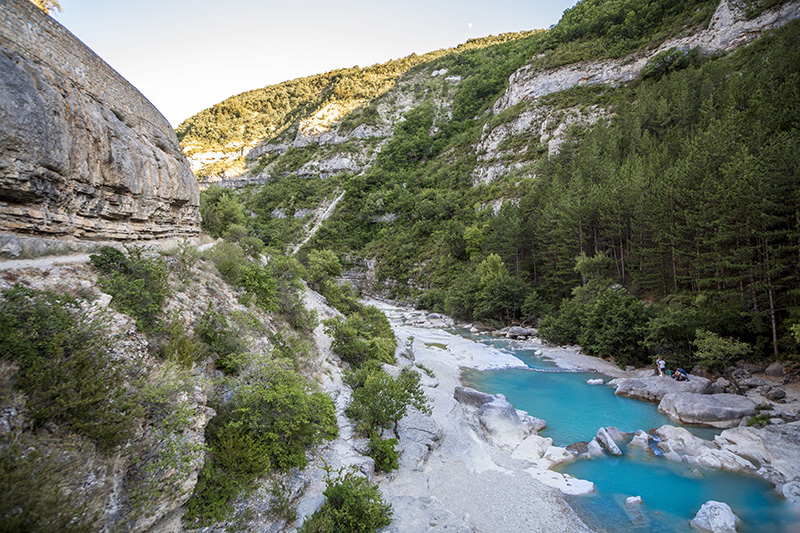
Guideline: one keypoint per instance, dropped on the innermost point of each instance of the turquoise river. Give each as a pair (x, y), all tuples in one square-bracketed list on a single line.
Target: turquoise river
[(671, 492)]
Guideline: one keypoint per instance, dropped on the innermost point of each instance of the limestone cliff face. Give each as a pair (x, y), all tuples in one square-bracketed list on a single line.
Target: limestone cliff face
[(82, 153), (729, 29)]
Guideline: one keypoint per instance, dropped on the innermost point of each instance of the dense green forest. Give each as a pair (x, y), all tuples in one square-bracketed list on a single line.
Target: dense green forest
[(674, 217)]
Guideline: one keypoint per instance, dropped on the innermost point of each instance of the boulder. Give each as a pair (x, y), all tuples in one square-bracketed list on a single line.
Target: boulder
[(716, 517), (678, 444), (654, 388), (713, 410), (775, 394), (518, 331), (640, 440), (418, 434), (775, 370), (607, 442), (790, 491), (752, 382), (501, 423), (774, 448), (471, 397), (594, 447), (633, 500)]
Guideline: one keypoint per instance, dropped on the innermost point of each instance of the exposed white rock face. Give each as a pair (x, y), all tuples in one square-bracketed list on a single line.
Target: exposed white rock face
[(728, 29), (715, 410), (716, 517), (775, 449)]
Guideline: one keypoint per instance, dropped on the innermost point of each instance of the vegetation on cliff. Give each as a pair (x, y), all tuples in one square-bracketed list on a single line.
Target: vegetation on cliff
[(685, 196)]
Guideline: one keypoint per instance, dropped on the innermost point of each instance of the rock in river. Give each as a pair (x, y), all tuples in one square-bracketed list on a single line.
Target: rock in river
[(714, 410), (716, 517), (652, 389)]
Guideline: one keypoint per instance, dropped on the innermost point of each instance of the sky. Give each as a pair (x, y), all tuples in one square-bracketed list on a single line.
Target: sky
[(187, 55)]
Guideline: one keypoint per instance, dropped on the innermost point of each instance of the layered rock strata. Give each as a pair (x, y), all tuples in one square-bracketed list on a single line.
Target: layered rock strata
[(83, 154)]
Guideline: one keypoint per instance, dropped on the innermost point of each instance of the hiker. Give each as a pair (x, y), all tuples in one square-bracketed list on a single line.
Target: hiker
[(662, 365), (681, 375)]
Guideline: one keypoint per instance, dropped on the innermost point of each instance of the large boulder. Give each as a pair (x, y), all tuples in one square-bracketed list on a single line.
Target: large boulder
[(607, 442), (678, 444), (774, 448), (716, 517), (713, 410), (471, 397), (653, 389), (501, 423), (418, 434)]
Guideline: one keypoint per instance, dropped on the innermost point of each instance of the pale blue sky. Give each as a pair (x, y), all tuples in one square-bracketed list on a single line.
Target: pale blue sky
[(187, 55)]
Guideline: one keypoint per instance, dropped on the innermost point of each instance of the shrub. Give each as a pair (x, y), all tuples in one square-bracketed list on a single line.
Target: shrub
[(234, 265), (379, 400), (223, 342), (138, 284), (364, 335), (64, 365), (352, 504), (383, 453), (35, 493), (180, 348), (322, 265), (266, 426)]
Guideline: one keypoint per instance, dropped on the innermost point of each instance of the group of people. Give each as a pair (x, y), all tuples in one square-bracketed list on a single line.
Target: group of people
[(680, 374)]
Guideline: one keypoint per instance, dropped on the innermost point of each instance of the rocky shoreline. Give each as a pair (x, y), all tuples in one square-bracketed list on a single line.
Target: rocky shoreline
[(482, 439)]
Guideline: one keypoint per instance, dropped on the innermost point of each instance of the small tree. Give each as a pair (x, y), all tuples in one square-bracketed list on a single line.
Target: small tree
[(380, 401), (716, 352)]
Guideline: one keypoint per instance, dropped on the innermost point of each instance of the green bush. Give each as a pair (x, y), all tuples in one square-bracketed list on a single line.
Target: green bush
[(322, 266), (36, 495), (179, 347), (383, 453), (352, 504), (219, 210), (234, 265), (379, 400), (267, 425), (223, 342), (137, 283), (65, 368), (364, 335)]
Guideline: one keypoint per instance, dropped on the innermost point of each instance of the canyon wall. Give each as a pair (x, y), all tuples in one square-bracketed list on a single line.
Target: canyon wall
[(83, 154)]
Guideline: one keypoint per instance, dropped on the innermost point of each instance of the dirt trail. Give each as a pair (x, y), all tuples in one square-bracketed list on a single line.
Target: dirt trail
[(43, 262)]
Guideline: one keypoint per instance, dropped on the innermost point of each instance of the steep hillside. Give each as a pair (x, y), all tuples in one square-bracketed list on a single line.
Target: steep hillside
[(621, 137)]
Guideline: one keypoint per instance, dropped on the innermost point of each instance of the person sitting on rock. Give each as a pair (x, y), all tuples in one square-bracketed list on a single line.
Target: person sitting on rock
[(681, 375)]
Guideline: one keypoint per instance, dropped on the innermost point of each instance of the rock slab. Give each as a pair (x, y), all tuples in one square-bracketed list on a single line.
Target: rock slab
[(713, 410), (653, 389)]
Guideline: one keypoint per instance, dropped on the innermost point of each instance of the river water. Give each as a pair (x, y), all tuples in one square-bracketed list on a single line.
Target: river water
[(671, 492)]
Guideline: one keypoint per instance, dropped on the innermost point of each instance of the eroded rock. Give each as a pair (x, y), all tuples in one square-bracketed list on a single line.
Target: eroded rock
[(653, 389), (714, 410), (716, 517)]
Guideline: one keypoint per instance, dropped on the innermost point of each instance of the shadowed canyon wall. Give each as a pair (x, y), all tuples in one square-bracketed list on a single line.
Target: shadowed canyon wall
[(83, 155)]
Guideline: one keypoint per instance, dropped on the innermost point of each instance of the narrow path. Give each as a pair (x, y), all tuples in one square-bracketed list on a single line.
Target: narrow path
[(318, 222), (43, 262)]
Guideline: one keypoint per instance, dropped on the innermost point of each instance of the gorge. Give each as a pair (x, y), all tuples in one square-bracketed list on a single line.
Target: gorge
[(621, 186)]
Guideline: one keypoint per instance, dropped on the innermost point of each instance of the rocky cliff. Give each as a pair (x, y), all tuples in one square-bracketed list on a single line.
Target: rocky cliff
[(83, 155)]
